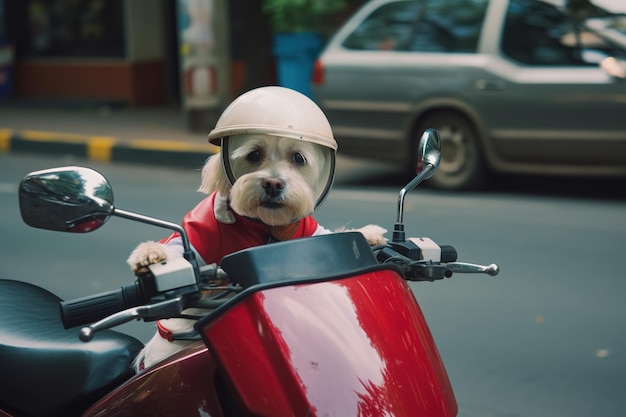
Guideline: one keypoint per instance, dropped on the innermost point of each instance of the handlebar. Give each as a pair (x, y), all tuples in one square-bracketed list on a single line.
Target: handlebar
[(92, 308), (156, 295), (144, 299)]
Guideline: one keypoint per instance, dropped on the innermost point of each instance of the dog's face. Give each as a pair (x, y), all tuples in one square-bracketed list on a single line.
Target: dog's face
[(276, 180)]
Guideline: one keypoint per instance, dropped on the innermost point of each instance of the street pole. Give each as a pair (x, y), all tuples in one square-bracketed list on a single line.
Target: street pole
[(204, 51)]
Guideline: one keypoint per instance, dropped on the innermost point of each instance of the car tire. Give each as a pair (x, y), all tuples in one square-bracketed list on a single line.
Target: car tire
[(461, 166)]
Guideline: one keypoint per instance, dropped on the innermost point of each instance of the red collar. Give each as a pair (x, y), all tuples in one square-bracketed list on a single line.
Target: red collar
[(170, 336), (165, 332)]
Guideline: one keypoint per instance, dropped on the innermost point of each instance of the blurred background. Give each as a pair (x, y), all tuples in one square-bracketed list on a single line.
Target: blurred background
[(140, 52), (545, 338)]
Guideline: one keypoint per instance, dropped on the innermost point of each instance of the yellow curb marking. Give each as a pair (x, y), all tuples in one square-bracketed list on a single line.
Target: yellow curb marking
[(5, 139), (173, 146), (52, 136), (100, 148)]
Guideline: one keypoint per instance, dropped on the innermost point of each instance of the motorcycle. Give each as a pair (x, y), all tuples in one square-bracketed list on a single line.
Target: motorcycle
[(320, 326)]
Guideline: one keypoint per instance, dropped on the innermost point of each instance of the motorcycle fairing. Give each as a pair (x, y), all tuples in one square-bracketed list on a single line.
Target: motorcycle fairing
[(356, 346)]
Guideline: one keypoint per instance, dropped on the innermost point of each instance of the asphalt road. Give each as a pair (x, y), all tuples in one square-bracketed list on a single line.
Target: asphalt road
[(547, 337)]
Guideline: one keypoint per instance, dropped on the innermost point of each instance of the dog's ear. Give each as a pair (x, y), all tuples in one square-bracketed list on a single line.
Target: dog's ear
[(213, 177)]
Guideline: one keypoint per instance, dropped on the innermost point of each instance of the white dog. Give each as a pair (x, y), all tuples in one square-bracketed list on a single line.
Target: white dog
[(263, 190)]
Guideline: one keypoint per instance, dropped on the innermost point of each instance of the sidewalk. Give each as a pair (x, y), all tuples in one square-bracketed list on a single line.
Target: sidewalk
[(157, 136), (103, 133)]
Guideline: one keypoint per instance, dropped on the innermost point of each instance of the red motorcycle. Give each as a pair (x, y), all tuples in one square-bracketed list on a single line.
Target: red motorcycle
[(322, 326)]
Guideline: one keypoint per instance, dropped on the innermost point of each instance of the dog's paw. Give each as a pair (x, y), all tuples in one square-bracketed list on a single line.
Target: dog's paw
[(147, 253), (374, 234)]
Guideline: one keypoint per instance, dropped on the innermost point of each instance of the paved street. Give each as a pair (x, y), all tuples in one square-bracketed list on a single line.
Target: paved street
[(544, 338)]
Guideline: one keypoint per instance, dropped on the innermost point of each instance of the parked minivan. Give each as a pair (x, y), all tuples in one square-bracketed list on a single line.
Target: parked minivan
[(516, 86)]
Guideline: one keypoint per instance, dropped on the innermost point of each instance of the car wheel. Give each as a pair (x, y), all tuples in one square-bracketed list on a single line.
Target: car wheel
[(461, 166)]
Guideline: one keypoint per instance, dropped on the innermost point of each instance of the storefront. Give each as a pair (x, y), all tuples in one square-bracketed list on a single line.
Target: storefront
[(130, 51), (89, 49)]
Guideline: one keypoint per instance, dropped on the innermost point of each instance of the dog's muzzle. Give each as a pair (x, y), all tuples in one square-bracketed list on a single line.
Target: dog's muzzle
[(273, 186), (273, 198)]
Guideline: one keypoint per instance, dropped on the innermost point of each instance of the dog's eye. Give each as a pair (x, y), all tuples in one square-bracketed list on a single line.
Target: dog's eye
[(254, 156), (299, 159)]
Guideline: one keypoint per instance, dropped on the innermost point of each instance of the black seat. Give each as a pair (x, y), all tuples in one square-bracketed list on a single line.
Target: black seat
[(46, 369)]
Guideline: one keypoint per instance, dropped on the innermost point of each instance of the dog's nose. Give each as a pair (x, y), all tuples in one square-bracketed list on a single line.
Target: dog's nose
[(273, 186)]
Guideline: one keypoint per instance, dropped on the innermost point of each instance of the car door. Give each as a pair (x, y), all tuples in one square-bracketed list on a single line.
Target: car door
[(545, 99)]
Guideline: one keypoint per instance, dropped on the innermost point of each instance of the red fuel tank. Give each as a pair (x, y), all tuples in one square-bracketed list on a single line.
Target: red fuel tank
[(357, 346)]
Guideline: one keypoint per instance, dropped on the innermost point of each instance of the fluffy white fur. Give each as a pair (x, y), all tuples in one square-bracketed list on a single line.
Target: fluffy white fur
[(278, 181)]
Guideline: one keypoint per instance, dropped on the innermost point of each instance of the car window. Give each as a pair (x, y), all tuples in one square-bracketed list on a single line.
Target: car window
[(542, 34), (424, 26)]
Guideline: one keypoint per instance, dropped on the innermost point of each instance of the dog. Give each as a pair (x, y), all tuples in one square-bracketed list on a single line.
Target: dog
[(266, 191)]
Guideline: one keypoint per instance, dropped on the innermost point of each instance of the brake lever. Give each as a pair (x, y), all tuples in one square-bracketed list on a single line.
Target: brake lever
[(467, 268), (164, 309), (430, 271)]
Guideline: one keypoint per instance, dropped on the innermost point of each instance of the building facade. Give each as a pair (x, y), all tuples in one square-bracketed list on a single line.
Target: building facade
[(127, 51)]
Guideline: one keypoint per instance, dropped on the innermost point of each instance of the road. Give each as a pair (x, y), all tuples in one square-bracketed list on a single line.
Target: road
[(547, 337)]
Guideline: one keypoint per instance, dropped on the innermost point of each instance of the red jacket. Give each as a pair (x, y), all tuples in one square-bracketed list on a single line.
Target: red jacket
[(213, 239)]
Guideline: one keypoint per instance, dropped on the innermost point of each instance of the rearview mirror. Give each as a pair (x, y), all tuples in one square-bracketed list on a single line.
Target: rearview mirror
[(66, 199), (428, 153)]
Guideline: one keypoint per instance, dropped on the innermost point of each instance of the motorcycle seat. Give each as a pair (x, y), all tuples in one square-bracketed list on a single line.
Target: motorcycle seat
[(45, 368)]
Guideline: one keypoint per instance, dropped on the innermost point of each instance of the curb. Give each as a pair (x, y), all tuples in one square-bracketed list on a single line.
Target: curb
[(106, 149)]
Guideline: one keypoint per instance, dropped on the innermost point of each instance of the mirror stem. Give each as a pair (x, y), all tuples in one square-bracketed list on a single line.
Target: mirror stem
[(155, 222), (414, 183), (398, 229)]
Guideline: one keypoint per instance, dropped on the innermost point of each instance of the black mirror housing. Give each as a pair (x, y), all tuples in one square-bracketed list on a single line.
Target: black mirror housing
[(66, 199)]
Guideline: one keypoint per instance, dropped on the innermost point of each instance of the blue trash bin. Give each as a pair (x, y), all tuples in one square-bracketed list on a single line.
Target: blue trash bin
[(295, 57)]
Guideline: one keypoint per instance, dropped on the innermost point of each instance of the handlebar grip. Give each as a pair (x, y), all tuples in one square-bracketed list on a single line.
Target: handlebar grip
[(448, 253), (92, 308)]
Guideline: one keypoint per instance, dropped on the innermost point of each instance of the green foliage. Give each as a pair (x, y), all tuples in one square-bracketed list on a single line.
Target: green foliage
[(301, 15)]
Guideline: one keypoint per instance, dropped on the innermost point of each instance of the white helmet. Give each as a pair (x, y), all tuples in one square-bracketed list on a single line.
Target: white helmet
[(276, 111)]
